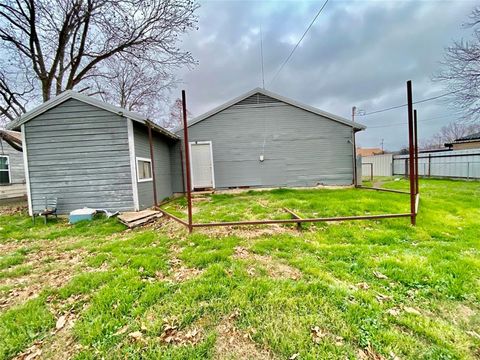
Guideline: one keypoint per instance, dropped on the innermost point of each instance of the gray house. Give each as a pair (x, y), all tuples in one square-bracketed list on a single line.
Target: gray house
[(12, 174), (85, 152), (262, 139)]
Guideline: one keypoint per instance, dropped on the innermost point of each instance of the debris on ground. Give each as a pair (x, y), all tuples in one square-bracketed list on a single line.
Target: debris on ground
[(379, 275), (139, 218), (274, 268), (233, 343), (317, 334), (172, 335)]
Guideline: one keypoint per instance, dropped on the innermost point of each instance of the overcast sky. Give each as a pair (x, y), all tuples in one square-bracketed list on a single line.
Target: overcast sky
[(357, 53)]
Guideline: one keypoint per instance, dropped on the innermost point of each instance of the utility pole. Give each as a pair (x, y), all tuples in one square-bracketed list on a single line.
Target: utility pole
[(382, 145)]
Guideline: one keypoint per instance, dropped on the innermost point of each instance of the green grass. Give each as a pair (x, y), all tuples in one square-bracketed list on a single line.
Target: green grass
[(426, 308)]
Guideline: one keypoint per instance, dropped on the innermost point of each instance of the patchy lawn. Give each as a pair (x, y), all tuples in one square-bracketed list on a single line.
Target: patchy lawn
[(365, 290)]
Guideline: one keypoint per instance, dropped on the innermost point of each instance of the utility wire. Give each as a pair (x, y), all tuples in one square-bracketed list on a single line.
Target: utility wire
[(420, 121), (298, 43), (403, 105)]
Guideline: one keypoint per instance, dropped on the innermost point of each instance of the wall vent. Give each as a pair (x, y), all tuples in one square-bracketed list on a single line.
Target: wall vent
[(257, 99)]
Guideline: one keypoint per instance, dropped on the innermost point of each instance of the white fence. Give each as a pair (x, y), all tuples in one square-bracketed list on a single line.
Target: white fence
[(450, 164), (377, 165)]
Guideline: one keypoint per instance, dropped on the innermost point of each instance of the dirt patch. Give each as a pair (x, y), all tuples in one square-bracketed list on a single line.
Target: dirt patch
[(13, 207), (274, 268), (178, 271), (59, 345), (248, 232), (172, 335), (50, 267), (233, 343)]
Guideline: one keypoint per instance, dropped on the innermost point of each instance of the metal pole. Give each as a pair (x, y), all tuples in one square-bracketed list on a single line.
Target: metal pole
[(187, 162), (411, 151), (417, 189), (429, 165), (354, 149), (183, 171), (150, 141)]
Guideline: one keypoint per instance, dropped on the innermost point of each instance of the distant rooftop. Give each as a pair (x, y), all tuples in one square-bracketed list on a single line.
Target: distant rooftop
[(475, 136)]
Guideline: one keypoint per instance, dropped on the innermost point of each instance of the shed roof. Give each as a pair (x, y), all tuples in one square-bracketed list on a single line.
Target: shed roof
[(70, 94), (281, 98)]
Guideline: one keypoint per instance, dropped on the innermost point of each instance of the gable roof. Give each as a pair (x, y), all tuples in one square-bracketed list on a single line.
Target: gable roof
[(280, 98), (70, 94)]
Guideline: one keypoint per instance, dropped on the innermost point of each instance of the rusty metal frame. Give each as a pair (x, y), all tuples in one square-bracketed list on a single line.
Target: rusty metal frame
[(296, 219)]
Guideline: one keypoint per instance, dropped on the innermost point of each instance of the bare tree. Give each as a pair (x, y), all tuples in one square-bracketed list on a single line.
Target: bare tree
[(141, 87), (460, 70), (65, 42), (450, 133), (175, 118)]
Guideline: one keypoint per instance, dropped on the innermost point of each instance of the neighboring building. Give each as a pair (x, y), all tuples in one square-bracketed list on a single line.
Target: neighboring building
[(471, 141), (88, 153), (85, 152), (262, 139), (12, 174), (369, 151)]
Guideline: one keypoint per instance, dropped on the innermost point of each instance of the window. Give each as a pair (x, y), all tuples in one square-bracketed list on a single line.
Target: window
[(144, 169), (4, 170)]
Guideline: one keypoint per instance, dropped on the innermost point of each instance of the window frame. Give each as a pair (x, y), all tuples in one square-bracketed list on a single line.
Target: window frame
[(137, 159), (9, 170)]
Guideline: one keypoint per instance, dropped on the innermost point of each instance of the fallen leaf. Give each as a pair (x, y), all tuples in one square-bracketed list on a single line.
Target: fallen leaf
[(379, 275), (61, 322), (136, 335), (122, 330), (411, 310), (339, 341), (317, 334), (393, 356), (363, 286), (294, 356), (383, 297), (393, 311)]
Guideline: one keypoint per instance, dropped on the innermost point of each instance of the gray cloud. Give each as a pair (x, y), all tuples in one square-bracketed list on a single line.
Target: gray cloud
[(357, 53)]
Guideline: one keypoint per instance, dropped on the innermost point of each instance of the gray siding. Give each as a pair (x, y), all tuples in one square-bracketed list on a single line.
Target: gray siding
[(79, 154), (17, 173), (301, 148), (162, 166)]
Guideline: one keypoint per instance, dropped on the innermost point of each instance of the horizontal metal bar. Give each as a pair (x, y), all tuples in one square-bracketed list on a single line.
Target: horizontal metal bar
[(173, 217), (295, 216), (382, 189), (436, 156), (287, 221)]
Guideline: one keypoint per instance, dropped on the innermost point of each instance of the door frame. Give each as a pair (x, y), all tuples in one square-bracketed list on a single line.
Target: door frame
[(190, 143)]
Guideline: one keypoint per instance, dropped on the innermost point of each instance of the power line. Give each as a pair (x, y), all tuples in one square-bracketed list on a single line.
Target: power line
[(415, 102), (404, 123), (298, 43)]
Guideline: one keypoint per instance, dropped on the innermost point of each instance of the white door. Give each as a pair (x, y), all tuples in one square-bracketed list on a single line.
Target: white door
[(202, 165)]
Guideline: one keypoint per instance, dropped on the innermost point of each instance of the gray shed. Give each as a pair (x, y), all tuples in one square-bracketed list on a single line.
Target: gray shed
[(12, 174), (262, 139), (88, 153)]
